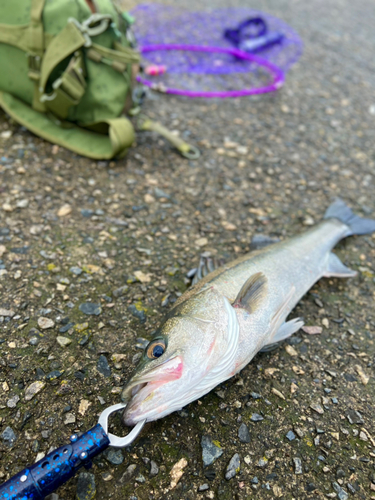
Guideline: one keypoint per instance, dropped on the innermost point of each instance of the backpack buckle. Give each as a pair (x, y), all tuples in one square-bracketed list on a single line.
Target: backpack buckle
[(92, 26), (34, 63)]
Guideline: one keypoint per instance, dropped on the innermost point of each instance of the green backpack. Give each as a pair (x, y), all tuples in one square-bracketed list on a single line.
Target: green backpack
[(67, 69)]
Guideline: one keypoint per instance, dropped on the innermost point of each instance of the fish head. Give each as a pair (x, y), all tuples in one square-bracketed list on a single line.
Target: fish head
[(191, 353)]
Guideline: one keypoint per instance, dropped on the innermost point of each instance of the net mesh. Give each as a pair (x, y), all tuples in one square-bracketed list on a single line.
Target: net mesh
[(198, 71)]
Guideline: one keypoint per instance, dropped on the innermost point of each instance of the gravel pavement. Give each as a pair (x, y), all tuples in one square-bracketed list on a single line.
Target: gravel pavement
[(93, 254)]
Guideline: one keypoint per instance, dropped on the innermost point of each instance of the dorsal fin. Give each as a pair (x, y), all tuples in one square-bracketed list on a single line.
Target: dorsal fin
[(252, 293)]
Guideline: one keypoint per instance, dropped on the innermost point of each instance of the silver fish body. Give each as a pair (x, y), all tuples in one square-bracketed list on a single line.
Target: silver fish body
[(218, 326)]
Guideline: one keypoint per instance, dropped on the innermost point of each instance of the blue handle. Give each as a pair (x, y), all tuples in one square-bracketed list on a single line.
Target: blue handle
[(53, 470), (261, 43)]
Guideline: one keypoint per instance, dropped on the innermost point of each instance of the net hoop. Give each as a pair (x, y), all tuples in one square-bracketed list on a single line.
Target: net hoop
[(278, 77)]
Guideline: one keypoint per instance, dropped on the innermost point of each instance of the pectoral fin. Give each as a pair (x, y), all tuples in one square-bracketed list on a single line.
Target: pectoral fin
[(252, 293), (287, 329), (279, 329), (336, 269)]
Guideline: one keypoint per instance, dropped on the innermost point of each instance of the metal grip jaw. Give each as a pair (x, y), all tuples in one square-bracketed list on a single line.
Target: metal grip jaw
[(115, 441)]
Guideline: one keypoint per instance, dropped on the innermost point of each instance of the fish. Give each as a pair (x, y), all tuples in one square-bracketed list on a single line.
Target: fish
[(218, 325)]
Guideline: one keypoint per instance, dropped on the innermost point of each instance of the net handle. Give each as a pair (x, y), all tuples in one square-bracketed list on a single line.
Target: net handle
[(276, 73)]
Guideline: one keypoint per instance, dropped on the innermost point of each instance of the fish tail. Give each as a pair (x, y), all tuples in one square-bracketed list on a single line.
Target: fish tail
[(356, 224)]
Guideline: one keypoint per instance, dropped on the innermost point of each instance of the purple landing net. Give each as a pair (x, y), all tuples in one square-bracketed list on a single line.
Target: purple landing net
[(211, 72)]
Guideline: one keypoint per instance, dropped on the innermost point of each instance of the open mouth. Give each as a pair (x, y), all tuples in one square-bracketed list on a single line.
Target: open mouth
[(139, 390)]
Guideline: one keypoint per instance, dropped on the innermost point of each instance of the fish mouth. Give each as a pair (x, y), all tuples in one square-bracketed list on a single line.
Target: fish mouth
[(140, 389)]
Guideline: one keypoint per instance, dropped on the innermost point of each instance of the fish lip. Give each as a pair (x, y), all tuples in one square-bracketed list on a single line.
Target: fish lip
[(141, 381)]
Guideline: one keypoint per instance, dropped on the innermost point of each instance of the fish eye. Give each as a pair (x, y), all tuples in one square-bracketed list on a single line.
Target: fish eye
[(155, 349)]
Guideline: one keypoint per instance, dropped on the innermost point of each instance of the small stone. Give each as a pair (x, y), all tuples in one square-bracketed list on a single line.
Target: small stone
[(342, 495), (63, 341), (354, 417), (312, 330), (159, 193), (177, 472), (233, 467), (290, 350), (310, 487), (262, 462), (33, 389), (201, 242), (66, 328), (83, 406), (298, 370), (119, 292), (117, 357), (340, 474), (297, 465), (86, 212), (140, 479), (325, 322), (203, 487), (90, 308), (128, 474), (22, 203), (6, 313), (243, 433), (351, 488), (137, 312), (45, 323), (278, 393), (12, 402), (75, 270), (291, 436), (9, 437), (255, 480), (53, 375), (255, 417), (69, 419), (293, 388), (86, 489), (7, 207), (6, 134), (81, 327), (149, 198), (83, 340), (103, 366), (64, 210), (362, 375), (211, 450), (154, 469), (317, 407), (142, 277), (114, 456), (362, 436), (107, 476), (228, 226)]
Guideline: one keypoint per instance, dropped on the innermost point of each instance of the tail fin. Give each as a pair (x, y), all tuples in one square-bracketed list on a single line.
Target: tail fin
[(357, 225)]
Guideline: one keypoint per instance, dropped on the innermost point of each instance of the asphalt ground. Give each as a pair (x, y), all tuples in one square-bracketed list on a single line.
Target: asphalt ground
[(270, 165)]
